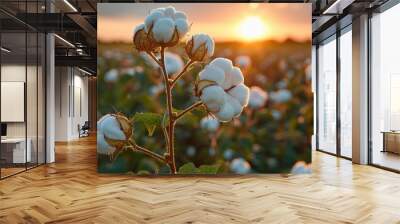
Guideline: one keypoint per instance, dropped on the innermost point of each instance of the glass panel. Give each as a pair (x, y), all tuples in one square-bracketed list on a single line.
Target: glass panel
[(385, 115), (327, 96), (31, 99), (41, 98), (13, 87), (346, 94)]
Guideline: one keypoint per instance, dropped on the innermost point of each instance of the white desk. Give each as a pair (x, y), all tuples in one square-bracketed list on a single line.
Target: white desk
[(19, 155)]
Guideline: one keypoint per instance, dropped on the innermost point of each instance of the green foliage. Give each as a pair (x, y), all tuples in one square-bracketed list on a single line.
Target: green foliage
[(150, 120), (190, 168), (164, 170), (270, 144)]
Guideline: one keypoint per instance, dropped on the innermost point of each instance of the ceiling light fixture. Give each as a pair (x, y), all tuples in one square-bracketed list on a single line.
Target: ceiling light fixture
[(70, 5), (5, 50), (337, 7), (64, 40), (84, 71)]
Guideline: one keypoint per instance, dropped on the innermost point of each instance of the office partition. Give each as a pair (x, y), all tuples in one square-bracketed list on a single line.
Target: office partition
[(22, 77)]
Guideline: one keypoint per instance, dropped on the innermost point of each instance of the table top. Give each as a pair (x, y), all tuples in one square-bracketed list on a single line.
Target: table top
[(391, 132), (13, 140)]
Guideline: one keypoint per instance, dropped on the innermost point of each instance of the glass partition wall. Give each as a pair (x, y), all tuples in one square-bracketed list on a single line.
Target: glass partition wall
[(22, 77), (327, 95), (385, 89), (334, 94)]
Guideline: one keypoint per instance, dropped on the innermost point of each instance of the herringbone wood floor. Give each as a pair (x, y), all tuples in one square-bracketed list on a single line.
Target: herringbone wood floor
[(70, 191)]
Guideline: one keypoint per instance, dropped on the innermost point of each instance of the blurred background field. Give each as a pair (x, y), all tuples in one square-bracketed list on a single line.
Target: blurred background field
[(270, 139)]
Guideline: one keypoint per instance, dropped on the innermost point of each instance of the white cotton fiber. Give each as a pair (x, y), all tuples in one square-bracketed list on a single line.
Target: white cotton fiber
[(164, 22), (163, 30), (228, 94), (258, 97), (240, 93), (212, 73)]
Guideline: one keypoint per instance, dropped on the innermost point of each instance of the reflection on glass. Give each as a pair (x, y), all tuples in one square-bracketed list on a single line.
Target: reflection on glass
[(346, 94), (327, 96), (13, 85)]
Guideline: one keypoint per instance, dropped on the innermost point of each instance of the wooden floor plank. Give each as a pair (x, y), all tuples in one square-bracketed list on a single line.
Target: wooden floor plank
[(71, 191)]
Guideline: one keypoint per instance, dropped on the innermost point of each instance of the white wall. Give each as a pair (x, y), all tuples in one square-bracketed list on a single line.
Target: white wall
[(71, 87)]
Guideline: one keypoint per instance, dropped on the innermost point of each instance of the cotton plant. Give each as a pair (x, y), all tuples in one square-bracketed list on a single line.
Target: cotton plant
[(209, 124), (281, 96), (243, 61), (219, 88), (258, 97)]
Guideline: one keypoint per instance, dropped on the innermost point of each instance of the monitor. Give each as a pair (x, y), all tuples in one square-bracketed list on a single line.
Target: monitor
[(3, 129)]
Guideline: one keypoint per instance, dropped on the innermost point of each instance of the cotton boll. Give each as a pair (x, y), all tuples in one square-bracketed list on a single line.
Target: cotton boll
[(236, 76), (223, 81), (258, 97), (180, 15), (102, 146), (228, 154), (182, 27), (166, 25), (150, 19), (173, 63), (282, 84), (169, 11), (213, 97), (281, 96), (243, 61), (111, 128), (240, 93), (209, 124), (113, 131), (212, 73), (111, 76), (261, 79), (129, 71), (137, 28), (236, 107), (156, 89), (191, 151), (199, 47), (141, 40), (276, 115), (223, 63), (226, 112), (149, 60), (163, 30), (240, 166), (301, 168)]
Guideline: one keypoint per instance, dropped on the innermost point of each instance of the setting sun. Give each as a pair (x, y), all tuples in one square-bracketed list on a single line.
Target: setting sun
[(252, 28)]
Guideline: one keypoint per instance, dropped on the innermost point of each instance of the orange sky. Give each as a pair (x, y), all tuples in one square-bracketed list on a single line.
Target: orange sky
[(223, 21)]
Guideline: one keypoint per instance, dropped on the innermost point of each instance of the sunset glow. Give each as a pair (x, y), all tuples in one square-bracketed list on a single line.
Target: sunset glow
[(252, 28), (238, 22)]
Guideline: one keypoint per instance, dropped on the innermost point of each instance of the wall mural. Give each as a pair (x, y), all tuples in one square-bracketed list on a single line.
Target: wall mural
[(204, 88)]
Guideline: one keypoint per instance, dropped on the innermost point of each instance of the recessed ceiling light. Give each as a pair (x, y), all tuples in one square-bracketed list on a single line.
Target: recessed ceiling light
[(70, 5), (5, 50), (64, 40)]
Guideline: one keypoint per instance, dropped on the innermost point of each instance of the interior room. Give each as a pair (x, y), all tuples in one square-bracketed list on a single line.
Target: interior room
[(49, 113)]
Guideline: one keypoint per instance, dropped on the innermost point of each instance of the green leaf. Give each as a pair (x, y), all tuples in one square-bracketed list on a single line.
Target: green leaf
[(208, 169), (150, 121), (164, 170), (143, 173), (188, 168)]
